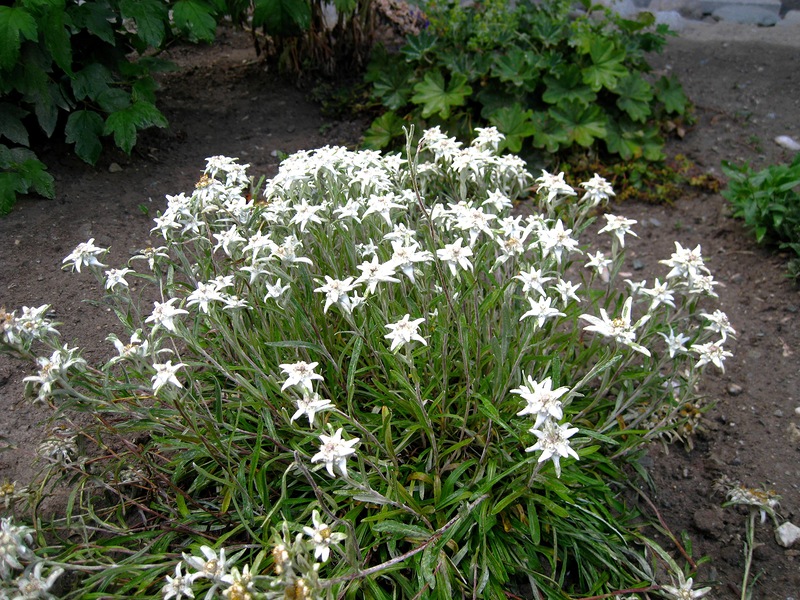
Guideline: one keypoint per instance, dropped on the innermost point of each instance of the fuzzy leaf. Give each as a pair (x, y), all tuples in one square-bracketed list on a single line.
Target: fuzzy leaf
[(392, 88), (385, 129), (635, 95), (84, 128), (282, 17), (195, 17), (607, 64), (515, 123), (417, 46), (568, 87), (582, 124), (548, 133), (15, 24), (438, 98), (11, 126), (149, 15)]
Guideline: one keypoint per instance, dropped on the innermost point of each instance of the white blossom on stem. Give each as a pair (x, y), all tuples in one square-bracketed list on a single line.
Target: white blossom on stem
[(333, 451)]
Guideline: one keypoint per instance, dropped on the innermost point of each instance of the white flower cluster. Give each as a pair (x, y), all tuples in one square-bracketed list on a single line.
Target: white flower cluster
[(15, 550)]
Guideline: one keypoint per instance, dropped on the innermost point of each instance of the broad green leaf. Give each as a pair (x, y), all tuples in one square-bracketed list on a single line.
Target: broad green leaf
[(11, 184), (607, 64), (91, 81), (393, 88), (470, 65), (16, 24), (96, 18), (11, 126), (34, 175), (149, 16), (196, 18), (516, 67), (383, 131), (345, 7), (633, 140), (37, 89), (670, 92), (57, 37), (84, 128), (113, 99), (582, 124), (417, 46), (548, 133), (438, 98), (567, 87), (147, 115), (122, 125), (515, 123), (635, 95), (282, 17), (144, 89)]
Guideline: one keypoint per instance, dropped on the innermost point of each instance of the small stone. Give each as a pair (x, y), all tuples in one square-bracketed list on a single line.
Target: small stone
[(655, 222), (734, 389), (114, 168), (786, 142), (638, 265), (797, 411), (778, 413), (787, 534)]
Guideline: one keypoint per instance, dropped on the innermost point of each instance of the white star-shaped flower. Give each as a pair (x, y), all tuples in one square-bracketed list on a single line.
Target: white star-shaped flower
[(404, 331)]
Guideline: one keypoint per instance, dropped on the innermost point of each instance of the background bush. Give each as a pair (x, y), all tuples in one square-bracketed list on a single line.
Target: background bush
[(551, 80)]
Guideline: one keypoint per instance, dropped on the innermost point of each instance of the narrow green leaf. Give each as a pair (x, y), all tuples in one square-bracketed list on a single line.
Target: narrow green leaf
[(403, 530), (84, 128)]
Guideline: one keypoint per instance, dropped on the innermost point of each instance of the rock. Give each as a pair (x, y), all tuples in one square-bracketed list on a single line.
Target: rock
[(734, 389), (638, 265), (787, 534), (673, 19), (797, 410), (114, 168), (786, 142), (747, 15), (791, 18)]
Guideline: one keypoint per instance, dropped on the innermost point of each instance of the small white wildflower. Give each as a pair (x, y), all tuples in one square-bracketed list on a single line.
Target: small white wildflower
[(310, 404), (165, 373), (137, 347), (684, 589), (567, 289), (374, 272), (163, 315), (598, 190), (211, 565), (557, 240), (541, 400), (84, 255), (675, 343), (553, 186), (150, 254), (598, 262), (334, 452), (203, 295), (177, 586), (240, 584), (660, 294), (115, 277), (533, 280), (15, 544), (405, 256), (686, 263), (554, 443), (336, 292), (322, 537), (620, 328), (275, 290), (719, 324), (618, 226), (455, 256), (404, 331), (712, 352), (32, 585), (542, 310), (300, 374), (306, 213)]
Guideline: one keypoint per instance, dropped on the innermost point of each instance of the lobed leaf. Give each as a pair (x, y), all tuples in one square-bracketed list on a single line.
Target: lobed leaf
[(16, 24)]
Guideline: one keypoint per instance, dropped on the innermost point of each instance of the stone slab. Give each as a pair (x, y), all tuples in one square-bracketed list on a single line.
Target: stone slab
[(746, 15), (791, 18), (709, 6)]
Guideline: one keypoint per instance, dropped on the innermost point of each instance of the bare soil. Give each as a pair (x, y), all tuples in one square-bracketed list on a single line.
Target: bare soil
[(223, 101)]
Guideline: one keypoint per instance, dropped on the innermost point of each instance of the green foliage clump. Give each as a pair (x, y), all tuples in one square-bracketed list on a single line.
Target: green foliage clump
[(769, 202), (550, 81), (372, 380)]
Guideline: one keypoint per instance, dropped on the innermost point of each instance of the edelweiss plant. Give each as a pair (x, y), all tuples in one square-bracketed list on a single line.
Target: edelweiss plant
[(376, 380)]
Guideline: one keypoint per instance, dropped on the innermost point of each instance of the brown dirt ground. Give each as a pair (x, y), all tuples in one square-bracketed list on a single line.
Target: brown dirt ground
[(222, 101)]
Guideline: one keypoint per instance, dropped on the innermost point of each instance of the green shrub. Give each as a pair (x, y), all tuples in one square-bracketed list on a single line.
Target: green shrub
[(374, 381), (769, 203), (549, 81), (81, 71)]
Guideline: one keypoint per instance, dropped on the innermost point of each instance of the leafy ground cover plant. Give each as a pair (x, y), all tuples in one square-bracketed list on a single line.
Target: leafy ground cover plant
[(549, 80), (373, 381), (769, 203)]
